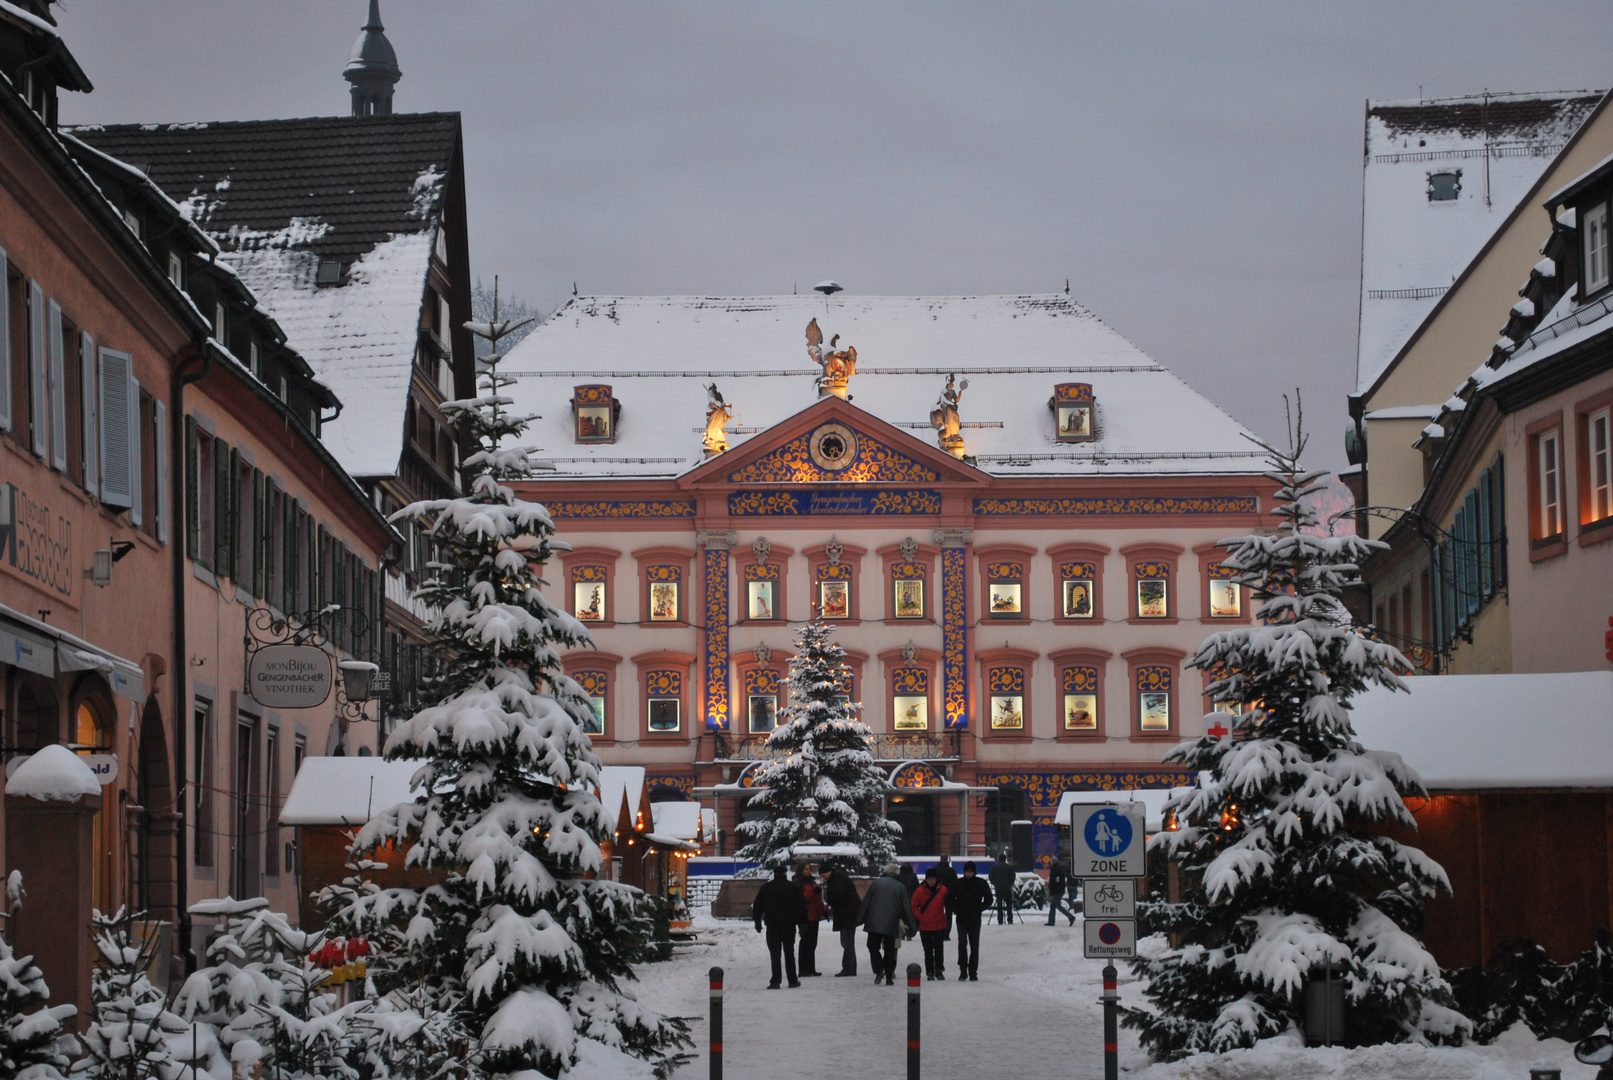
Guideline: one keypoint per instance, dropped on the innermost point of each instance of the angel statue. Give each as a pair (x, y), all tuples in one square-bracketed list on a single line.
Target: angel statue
[(838, 367), (718, 413), (944, 418)]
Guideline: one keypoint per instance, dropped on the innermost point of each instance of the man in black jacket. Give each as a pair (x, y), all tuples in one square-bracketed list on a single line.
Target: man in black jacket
[(949, 878), (840, 893), (781, 905), (967, 901)]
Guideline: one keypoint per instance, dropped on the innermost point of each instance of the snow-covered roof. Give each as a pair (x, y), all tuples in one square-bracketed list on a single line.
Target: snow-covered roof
[(1414, 247), (1467, 732), (659, 353), (678, 819), (346, 790), (1153, 800), (615, 781)]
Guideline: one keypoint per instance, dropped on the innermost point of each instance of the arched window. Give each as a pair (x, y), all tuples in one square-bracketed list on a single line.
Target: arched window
[(35, 725)]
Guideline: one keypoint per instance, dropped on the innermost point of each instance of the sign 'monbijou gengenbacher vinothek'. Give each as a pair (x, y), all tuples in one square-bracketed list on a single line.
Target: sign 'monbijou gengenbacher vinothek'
[(1107, 840), (289, 676)]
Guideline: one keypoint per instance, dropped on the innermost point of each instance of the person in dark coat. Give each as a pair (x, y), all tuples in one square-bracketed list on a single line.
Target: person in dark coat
[(780, 905), (910, 878), (968, 901), (840, 893), (884, 912), (930, 912), (948, 878), (816, 909), (1058, 885), (1002, 886)]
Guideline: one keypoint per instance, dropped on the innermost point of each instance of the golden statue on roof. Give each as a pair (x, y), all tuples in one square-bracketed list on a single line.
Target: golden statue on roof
[(718, 413), (946, 421), (837, 366)]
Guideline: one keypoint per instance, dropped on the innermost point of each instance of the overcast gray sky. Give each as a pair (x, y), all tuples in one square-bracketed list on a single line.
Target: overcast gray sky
[(1193, 169)]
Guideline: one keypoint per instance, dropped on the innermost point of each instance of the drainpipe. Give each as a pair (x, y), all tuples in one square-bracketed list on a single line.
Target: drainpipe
[(183, 374)]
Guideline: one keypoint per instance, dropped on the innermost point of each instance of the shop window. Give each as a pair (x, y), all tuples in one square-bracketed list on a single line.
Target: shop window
[(1078, 685), (663, 692), (1152, 571), (589, 593), (1154, 699), (907, 590), (663, 589), (761, 700), (762, 592), (1223, 596), (910, 699), (596, 411), (1073, 407), (1153, 590), (1005, 704), (1005, 582), (834, 591), (1078, 590), (596, 688)]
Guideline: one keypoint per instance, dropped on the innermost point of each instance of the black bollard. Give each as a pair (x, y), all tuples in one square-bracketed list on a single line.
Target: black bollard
[(716, 1023), (912, 1022), (1111, 1032)]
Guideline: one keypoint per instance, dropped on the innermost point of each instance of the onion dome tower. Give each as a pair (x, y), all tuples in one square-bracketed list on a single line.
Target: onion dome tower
[(372, 68)]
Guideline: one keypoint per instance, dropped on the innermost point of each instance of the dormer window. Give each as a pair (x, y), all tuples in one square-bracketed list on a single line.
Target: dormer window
[(1596, 248), (1444, 186), (1072, 406), (329, 273), (176, 269), (596, 412), (219, 326)]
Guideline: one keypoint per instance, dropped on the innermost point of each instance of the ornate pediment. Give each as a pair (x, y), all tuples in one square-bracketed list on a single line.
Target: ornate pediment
[(831, 453)]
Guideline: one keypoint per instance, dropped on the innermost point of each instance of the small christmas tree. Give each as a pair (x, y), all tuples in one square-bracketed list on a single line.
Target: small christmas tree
[(521, 942), (33, 1042), (128, 1037), (1281, 843), (824, 790)]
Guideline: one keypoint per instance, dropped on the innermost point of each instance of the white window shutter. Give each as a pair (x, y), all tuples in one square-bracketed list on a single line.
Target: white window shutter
[(160, 420), (56, 378), (115, 378), (5, 345), (87, 385), (38, 400), (137, 515)]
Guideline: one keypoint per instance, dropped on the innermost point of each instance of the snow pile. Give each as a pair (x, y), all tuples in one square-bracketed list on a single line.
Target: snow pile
[(53, 774)]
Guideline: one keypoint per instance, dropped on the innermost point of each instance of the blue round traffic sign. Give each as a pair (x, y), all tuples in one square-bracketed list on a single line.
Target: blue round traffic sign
[(1108, 933), (1108, 833)]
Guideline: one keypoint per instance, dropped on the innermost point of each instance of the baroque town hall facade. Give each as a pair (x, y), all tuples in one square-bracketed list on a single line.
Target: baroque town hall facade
[(1018, 572)]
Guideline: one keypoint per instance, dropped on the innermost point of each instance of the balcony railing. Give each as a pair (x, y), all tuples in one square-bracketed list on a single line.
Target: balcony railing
[(889, 746)]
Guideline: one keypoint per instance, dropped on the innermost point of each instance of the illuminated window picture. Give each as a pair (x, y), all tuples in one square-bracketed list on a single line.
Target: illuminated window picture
[(909, 599), (1080, 712), (1078, 598), (910, 712), (763, 712), (1151, 600), (593, 423), (595, 724), (1007, 712), (663, 601), (1075, 421), (589, 597), (665, 714), (1005, 600), (1225, 600), (1154, 710), (761, 599), (834, 599)]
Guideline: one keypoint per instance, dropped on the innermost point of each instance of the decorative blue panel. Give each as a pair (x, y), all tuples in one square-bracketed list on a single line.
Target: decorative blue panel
[(955, 636), (716, 638)]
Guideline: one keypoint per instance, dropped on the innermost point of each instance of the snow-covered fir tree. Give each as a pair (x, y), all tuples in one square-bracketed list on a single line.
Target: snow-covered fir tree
[(130, 1031), (822, 788), (34, 1042), (520, 942), (488, 307), (1281, 845)]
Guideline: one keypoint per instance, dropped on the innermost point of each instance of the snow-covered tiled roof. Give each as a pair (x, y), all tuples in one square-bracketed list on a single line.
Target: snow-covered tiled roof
[(1413, 247), (659, 353)]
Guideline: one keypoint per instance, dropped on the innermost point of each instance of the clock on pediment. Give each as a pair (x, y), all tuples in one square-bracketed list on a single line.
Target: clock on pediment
[(832, 447)]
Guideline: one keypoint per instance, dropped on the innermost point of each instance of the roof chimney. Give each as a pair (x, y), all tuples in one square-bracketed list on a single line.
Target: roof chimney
[(372, 68)]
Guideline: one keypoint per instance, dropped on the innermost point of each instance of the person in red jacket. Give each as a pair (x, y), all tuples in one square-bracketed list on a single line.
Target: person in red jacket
[(930, 910), (816, 909)]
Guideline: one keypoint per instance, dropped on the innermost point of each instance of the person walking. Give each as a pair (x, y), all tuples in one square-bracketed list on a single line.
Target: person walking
[(930, 912), (910, 878), (884, 912), (1002, 886), (1058, 885), (968, 901), (780, 905), (816, 909), (948, 877), (840, 893)]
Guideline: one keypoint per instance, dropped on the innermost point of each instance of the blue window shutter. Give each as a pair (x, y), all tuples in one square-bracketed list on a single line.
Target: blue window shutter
[(87, 392), (38, 396), (1498, 480), (56, 382), (5, 344), (137, 491), (1486, 548), (115, 427)]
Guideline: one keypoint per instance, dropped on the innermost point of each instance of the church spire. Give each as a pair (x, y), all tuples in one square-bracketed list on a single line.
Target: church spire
[(372, 68)]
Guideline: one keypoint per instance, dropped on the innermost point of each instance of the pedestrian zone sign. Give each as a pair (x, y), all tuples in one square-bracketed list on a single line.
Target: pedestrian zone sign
[(1110, 939), (1107, 840)]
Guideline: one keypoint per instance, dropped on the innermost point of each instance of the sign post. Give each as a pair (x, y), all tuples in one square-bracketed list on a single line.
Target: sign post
[(1108, 852)]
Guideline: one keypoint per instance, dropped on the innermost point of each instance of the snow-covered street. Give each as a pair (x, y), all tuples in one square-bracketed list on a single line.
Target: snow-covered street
[(1034, 1012)]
